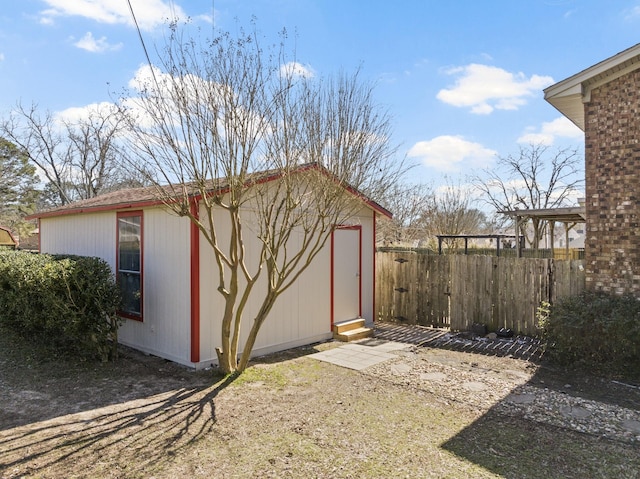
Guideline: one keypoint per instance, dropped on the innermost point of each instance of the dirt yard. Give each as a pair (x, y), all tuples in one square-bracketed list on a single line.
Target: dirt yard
[(428, 413)]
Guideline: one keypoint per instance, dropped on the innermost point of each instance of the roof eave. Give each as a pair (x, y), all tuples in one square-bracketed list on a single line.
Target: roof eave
[(149, 203), (568, 95), (96, 209), (569, 103)]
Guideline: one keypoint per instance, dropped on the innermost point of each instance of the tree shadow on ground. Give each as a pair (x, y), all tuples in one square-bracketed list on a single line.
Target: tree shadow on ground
[(140, 409), (141, 432), (515, 448), (38, 387)]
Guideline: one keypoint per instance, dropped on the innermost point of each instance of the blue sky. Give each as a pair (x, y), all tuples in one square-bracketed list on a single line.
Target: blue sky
[(461, 79)]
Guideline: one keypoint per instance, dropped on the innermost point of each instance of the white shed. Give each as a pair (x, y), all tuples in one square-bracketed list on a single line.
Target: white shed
[(175, 312)]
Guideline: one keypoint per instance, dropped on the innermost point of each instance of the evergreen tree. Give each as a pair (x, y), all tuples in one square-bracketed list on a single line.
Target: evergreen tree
[(18, 192)]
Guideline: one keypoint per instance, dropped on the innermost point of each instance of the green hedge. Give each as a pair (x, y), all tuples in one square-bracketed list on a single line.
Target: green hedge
[(66, 302), (596, 330)]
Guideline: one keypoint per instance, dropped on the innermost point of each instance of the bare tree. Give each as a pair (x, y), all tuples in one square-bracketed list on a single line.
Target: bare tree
[(215, 122), (450, 212), (79, 158), (536, 178), (410, 204)]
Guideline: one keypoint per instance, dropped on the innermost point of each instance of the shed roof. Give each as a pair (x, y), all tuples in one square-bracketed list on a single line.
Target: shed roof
[(569, 95), (149, 196)]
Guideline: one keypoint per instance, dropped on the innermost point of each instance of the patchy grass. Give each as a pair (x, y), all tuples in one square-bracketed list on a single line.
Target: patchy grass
[(286, 416), (258, 375)]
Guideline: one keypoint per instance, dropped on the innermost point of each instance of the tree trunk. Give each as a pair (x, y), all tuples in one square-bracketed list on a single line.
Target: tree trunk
[(267, 305), (227, 359)]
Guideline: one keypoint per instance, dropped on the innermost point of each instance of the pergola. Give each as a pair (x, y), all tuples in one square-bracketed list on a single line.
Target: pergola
[(570, 216), (466, 238)]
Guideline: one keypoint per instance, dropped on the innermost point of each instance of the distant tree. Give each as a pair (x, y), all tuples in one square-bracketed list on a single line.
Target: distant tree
[(535, 178), (450, 211), (79, 158), (420, 213), (18, 188), (410, 204), (214, 121)]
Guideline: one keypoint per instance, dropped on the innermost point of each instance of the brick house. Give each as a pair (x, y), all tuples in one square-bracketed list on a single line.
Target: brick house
[(604, 101)]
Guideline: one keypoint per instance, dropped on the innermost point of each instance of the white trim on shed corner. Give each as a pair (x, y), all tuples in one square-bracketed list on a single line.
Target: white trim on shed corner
[(569, 95)]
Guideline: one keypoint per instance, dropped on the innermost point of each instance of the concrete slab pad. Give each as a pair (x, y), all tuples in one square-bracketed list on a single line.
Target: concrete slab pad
[(631, 425), (400, 368), (575, 412), (474, 386), (433, 376), (389, 346), (353, 356), (526, 398)]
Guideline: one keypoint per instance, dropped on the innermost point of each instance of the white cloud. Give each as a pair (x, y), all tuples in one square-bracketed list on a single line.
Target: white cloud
[(550, 130), (91, 44), (206, 18), (150, 80), (149, 13), (295, 69), (452, 153), (83, 113), (1, 57), (46, 20), (483, 88)]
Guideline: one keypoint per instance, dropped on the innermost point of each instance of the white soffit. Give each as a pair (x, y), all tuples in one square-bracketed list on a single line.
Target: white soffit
[(569, 95)]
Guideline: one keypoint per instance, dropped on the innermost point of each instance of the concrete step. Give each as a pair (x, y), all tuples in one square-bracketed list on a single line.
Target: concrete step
[(354, 334), (343, 326)]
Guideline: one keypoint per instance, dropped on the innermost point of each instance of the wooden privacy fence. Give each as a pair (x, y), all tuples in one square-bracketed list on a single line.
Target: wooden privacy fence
[(457, 291)]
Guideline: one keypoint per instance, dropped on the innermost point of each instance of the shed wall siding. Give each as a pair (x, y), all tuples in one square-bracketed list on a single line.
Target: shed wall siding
[(300, 315), (612, 153), (165, 329), (84, 235)]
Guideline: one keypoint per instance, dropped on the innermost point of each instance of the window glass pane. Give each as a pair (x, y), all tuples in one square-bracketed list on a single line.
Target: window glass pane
[(129, 243), (130, 287)]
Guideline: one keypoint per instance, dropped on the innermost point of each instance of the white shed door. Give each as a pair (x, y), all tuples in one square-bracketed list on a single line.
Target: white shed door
[(346, 270)]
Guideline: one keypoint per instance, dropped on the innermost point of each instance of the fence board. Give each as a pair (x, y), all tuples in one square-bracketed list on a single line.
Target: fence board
[(458, 291)]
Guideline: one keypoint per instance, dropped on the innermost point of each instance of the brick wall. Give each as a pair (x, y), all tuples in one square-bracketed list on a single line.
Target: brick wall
[(612, 155)]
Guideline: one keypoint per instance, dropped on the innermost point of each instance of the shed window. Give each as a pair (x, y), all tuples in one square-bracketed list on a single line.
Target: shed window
[(129, 261)]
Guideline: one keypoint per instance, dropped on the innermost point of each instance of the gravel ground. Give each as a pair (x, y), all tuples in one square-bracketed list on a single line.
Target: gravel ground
[(516, 387)]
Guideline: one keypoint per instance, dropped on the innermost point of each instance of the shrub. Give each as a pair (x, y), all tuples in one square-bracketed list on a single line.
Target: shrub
[(67, 302), (596, 330)]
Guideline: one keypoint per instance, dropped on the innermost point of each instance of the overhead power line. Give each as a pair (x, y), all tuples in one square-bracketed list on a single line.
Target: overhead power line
[(144, 47)]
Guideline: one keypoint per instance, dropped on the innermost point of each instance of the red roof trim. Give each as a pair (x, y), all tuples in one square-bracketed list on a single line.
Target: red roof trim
[(194, 244)]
